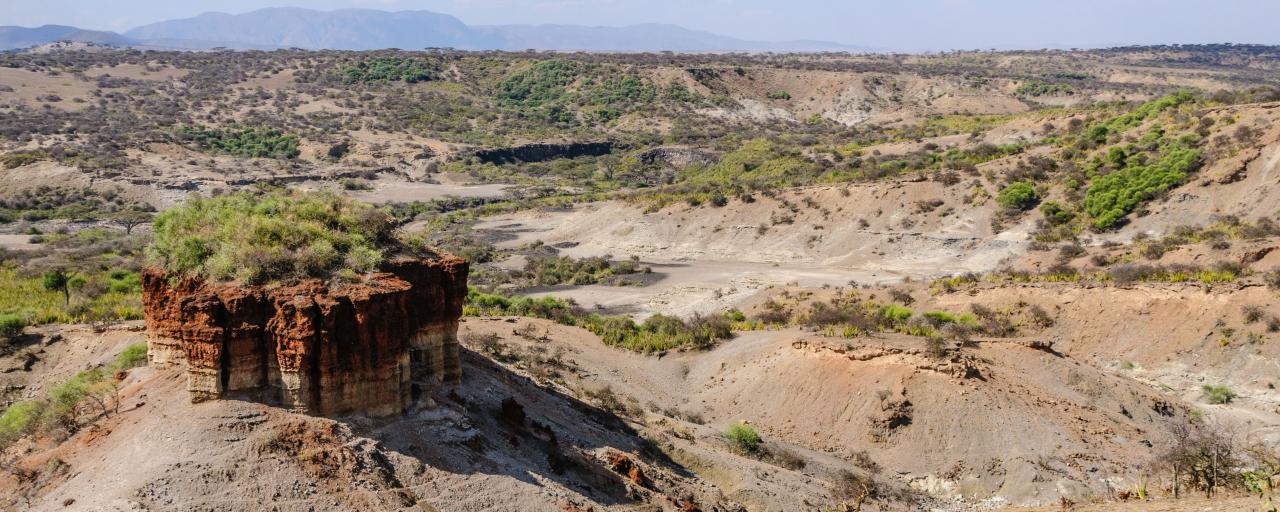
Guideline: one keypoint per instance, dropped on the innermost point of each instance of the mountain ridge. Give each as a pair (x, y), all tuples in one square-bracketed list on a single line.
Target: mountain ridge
[(371, 29)]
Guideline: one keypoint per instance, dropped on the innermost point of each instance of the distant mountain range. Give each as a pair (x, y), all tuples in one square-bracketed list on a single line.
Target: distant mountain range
[(367, 29), (22, 37)]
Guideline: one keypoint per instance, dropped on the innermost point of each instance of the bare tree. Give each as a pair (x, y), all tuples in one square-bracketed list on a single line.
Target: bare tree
[(1205, 455), (852, 491)]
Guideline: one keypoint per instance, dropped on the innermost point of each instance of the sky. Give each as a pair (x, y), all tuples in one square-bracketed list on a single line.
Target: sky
[(913, 25)]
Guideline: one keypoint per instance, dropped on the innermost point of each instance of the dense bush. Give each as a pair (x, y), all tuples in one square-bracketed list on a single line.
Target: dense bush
[(655, 334), (621, 91), (270, 236), (1020, 195), (1036, 88), (11, 326), (1055, 214), (541, 84), (386, 69), (1112, 196), (542, 271), (246, 142)]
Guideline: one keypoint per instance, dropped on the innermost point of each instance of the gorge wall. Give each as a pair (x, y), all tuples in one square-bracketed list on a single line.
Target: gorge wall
[(543, 151), (317, 348)]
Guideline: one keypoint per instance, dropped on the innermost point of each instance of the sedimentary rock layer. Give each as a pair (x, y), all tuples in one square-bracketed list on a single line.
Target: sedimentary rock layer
[(316, 347)]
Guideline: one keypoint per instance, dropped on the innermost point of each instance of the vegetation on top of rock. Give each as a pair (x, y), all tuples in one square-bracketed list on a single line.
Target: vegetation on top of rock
[(273, 236), (246, 142), (386, 69)]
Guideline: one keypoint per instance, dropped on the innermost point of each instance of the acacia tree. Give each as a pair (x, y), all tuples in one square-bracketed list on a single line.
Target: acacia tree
[(129, 219)]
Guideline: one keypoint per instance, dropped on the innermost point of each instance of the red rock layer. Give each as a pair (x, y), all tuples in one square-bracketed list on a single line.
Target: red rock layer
[(319, 349)]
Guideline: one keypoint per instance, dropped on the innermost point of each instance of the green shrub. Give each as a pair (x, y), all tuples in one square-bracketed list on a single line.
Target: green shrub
[(1036, 88), (940, 318), (62, 407), (1055, 214), (20, 158), (743, 436), (246, 142), (1019, 194), (66, 397), (542, 83), (276, 235), (895, 313), (625, 90), (11, 327), (132, 356), (655, 334), (1217, 394), (18, 419), (1112, 196), (387, 69)]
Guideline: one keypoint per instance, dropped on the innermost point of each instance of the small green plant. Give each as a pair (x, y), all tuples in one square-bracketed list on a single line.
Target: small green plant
[(1259, 483), (895, 313), (132, 356), (743, 436), (1217, 394), (18, 419), (11, 327)]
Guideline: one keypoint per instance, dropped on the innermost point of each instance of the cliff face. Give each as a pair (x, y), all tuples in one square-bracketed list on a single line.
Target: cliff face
[(364, 347), (542, 151)]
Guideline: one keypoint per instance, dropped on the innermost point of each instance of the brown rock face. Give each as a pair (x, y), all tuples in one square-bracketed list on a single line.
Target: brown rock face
[(316, 348)]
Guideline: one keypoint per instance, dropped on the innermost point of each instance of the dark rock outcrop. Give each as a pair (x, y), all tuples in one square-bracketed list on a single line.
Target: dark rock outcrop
[(678, 157), (315, 347), (540, 152)]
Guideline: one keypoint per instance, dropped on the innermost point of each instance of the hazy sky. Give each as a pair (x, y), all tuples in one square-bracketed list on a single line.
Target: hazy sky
[(892, 24)]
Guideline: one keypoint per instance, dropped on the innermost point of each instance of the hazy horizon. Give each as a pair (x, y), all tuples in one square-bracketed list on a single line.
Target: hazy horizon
[(918, 25)]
